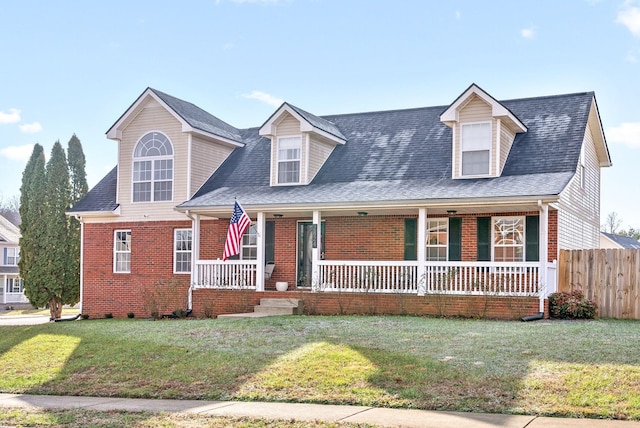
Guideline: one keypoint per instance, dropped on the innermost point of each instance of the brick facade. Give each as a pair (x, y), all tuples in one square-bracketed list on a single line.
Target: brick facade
[(346, 238)]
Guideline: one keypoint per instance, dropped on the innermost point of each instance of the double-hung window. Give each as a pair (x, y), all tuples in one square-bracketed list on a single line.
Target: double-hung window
[(122, 251), (14, 286), (289, 155), (508, 239), (437, 231), (250, 244), (153, 169), (476, 148), (182, 241), (12, 256)]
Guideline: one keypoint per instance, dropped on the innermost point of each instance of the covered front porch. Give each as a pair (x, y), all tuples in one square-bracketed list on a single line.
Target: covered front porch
[(320, 251)]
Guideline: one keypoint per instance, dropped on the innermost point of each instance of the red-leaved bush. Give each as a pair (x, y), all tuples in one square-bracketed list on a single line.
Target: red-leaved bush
[(571, 305)]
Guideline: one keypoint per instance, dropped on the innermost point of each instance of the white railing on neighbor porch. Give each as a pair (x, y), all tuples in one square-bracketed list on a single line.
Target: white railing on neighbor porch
[(18, 297), (497, 278), (231, 274)]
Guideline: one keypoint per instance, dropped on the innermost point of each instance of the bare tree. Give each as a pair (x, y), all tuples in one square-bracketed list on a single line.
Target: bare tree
[(10, 209), (612, 223)]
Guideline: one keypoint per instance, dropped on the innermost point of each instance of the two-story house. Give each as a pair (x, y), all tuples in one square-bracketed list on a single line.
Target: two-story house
[(10, 281), (466, 204)]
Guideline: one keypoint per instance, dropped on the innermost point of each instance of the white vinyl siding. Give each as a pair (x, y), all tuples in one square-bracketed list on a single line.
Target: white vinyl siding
[(319, 151), (474, 110), (151, 117), (579, 207), (206, 157), (475, 148), (122, 251)]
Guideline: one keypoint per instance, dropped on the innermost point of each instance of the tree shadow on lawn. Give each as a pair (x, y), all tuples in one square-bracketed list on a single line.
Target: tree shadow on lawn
[(564, 370)]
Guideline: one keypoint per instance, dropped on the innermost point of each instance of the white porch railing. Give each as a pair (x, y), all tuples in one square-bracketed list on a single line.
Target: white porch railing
[(474, 278), (367, 276), (230, 274), (509, 279), (15, 298)]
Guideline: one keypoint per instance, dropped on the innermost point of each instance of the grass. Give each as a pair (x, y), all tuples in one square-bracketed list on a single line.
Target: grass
[(112, 419), (558, 368), (30, 311)]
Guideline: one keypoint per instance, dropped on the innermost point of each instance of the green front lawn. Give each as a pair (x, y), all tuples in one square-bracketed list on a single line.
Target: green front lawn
[(562, 368)]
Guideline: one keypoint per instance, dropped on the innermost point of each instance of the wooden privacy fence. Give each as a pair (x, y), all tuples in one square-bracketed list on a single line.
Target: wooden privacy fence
[(610, 277)]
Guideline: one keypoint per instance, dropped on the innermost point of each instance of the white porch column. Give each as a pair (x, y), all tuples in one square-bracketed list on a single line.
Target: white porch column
[(543, 242), (195, 256), (260, 252), (315, 252), (422, 250)]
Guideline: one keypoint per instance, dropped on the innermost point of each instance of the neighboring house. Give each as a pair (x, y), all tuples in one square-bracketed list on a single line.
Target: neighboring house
[(467, 204), (611, 240), (12, 291)]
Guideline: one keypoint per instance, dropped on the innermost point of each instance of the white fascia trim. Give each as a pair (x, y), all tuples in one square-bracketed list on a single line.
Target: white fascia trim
[(450, 115), (115, 133), (269, 128)]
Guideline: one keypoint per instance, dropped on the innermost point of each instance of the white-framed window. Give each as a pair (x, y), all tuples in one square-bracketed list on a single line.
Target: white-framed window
[(182, 241), (153, 169), (12, 256), (14, 285), (289, 155), (249, 244), (437, 238), (122, 251), (475, 145), (508, 239)]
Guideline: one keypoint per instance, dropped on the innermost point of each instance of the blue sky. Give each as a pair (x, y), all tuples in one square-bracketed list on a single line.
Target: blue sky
[(75, 66)]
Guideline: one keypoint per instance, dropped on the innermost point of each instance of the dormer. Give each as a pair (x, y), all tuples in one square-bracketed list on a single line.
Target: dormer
[(483, 132), (167, 148), (300, 144)]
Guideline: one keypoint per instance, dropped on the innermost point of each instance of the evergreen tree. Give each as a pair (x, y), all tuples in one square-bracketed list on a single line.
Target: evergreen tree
[(33, 226), (55, 259), (79, 188)]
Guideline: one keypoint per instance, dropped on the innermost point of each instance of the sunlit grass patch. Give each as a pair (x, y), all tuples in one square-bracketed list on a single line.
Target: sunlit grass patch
[(597, 390), (47, 312), (319, 372), (35, 361)]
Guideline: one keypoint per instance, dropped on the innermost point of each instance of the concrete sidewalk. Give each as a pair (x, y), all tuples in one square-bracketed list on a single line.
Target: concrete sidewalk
[(310, 412)]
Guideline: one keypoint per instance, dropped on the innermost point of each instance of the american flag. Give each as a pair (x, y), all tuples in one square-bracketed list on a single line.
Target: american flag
[(238, 224)]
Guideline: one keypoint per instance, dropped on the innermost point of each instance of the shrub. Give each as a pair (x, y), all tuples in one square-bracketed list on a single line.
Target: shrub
[(571, 305), (108, 315), (85, 316), (130, 315)]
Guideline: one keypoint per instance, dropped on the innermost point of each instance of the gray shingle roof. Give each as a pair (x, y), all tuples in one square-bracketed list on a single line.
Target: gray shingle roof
[(318, 122), (406, 155), (402, 155), (623, 241), (102, 197), (198, 118)]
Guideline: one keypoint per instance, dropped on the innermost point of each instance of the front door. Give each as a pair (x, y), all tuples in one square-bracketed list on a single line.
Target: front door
[(306, 243)]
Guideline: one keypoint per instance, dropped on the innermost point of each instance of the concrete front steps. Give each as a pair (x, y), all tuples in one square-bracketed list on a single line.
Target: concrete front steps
[(269, 307)]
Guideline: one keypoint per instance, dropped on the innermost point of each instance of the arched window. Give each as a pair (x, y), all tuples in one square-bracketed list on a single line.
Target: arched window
[(153, 169)]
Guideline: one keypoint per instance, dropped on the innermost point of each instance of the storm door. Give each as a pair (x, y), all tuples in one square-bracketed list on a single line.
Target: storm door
[(306, 243)]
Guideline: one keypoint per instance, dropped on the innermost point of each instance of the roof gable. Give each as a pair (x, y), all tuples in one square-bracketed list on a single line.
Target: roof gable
[(308, 123), (192, 118), (498, 110), (9, 232), (623, 241)]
